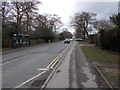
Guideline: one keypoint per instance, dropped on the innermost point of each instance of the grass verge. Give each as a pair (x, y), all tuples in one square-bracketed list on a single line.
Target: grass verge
[(84, 42), (95, 54), (111, 74)]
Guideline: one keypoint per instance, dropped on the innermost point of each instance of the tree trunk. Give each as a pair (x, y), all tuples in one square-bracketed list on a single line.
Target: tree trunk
[(86, 32)]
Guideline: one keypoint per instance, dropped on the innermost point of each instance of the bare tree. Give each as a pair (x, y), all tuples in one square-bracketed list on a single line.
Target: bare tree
[(17, 13), (82, 20), (54, 21), (6, 8), (102, 24), (79, 33), (29, 9), (67, 34), (46, 26), (41, 24), (23, 11)]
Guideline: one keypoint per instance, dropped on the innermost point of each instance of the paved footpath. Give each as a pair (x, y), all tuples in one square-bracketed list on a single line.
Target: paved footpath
[(76, 71), (84, 74)]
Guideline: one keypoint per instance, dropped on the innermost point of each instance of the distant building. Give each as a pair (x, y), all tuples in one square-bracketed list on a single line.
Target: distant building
[(119, 7)]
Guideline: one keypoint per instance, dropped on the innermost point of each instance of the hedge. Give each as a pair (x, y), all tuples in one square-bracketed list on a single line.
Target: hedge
[(110, 39), (107, 39), (6, 42)]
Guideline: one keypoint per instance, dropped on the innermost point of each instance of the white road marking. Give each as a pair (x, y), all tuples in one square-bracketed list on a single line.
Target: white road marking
[(48, 67), (30, 79), (14, 59), (44, 69), (12, 52)]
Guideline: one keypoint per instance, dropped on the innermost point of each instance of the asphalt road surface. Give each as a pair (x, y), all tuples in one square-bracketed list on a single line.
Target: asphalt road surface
[(20, 66)]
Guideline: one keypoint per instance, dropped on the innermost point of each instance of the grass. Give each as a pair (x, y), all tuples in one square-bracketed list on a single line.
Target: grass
[(97, 55), (111, 75)]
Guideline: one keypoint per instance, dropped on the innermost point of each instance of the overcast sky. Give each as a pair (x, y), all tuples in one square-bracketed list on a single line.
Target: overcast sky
[(67, 8)]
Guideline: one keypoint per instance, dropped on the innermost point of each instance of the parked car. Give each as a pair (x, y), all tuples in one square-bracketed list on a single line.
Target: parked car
[(78, 39), (71, 39), (67, 41)]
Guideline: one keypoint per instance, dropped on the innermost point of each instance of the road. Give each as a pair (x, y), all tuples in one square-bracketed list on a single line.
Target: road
[(20, 66)]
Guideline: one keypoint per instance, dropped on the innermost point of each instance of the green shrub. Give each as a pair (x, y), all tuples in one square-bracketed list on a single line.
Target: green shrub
[(110, 39), (6, 42), (91, 38), (38, 41), (97, 40)]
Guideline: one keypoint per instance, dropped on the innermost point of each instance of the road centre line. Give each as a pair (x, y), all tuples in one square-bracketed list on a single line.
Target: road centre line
[(21, 49), (3, 54), (25, 56), (15, 59)]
